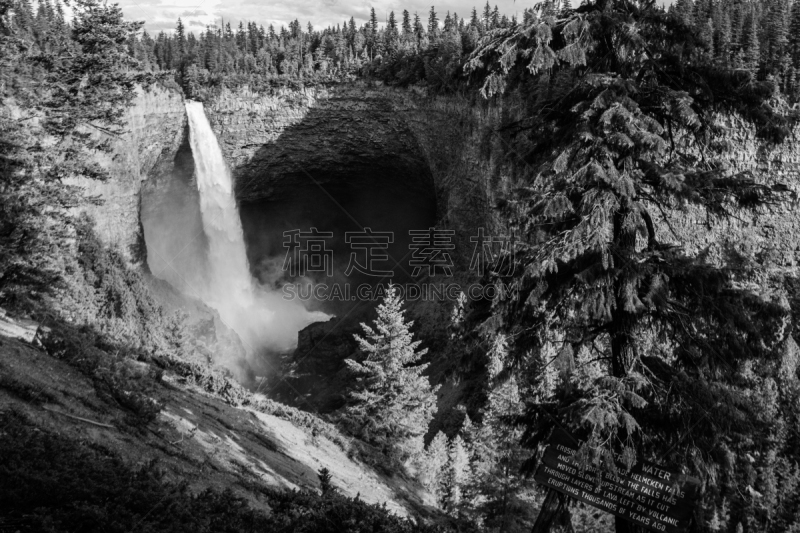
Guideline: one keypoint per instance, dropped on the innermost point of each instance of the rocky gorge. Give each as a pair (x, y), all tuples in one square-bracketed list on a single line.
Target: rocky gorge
[(359, 155), (382, 143)]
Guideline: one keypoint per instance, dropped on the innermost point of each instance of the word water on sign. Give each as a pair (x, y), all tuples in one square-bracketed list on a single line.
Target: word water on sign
[(646, 495)]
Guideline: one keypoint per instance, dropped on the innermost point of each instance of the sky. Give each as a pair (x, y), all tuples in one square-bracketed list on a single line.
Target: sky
[(196, 14)]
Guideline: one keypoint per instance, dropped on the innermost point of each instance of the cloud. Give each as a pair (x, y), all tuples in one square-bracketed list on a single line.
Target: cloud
[(159, 15), (162, 14)]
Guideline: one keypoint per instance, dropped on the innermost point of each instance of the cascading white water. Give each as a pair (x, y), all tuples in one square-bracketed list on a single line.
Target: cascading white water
[(230, 279), (260, 317)]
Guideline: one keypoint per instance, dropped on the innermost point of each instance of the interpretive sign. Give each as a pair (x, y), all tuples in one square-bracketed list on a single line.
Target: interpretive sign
[(646, 495)]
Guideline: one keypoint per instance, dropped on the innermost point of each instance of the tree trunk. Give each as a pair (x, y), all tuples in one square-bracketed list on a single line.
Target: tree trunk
[(623, 321), (554, 514)]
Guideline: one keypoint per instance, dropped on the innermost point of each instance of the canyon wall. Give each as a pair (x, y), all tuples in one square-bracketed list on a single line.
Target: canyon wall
[(338, 158), (379, 153), (275, 141), (317, 137), (292, 138), (155, 128)]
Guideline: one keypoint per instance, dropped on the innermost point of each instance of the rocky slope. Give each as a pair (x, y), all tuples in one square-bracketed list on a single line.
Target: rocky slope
[(197, 438)]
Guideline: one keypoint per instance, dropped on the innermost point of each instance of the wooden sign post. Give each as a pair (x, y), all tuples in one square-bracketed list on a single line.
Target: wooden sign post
[(647, 495)]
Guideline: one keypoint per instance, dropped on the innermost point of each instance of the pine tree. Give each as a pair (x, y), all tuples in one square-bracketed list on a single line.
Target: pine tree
[(392, 403), (325, 481), (750, 45), (722, 35), (456, 473), (433, 466), (406, 23), (85, 80), (373, 23), (487, 16), (528, 16), (433, 22), (701, 12), (180, 40), (474, 21), (495, 486), (705, 34), (777, 19), (419, 29), (684, 9), (794, 35), (495, 18)]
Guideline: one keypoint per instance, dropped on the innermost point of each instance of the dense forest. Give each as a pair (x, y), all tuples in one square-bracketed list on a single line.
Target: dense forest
[(759, 37), (762, 38), (615, 332)]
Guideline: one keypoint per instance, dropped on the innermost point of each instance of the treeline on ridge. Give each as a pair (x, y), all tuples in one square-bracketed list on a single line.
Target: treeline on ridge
[(762, 38)]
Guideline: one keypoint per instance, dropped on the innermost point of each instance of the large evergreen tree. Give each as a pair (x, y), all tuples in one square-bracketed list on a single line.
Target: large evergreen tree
[(611, 91), (392, 402)]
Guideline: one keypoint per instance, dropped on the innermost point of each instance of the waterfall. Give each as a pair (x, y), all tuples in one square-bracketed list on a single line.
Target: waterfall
[(260, 317), (230, 281)]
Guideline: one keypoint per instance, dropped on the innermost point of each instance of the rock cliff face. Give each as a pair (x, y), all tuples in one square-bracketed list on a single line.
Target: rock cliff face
[(770, 234), (156, 124), (340, 137), (338, 159)]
